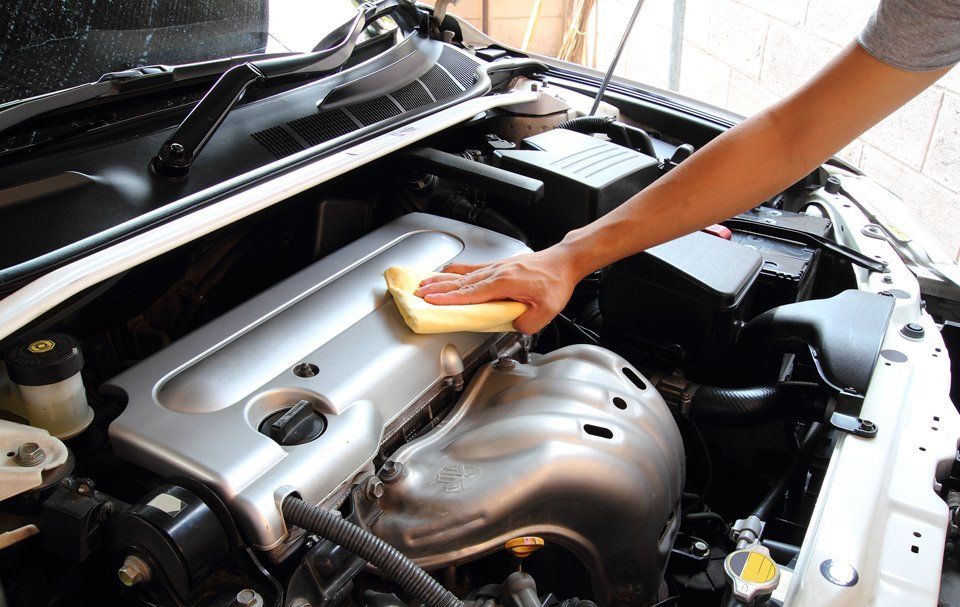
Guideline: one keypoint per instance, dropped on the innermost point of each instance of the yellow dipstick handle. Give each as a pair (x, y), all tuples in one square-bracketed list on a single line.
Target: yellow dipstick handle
[(522, 547)]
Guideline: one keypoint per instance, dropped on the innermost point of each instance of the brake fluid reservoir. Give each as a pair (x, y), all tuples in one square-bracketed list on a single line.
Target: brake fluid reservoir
[(46, 371)]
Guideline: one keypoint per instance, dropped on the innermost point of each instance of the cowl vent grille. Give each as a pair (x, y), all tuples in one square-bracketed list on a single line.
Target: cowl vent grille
[(278, 142), (323, 126), (373, 111), (439, 82), (412, 96), (461, 68), (453, 73)]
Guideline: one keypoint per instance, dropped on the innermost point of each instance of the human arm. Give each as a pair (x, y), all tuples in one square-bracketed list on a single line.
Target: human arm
[(749, 163)]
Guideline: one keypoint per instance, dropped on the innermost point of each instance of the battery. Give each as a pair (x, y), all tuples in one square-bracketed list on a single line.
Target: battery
[(786, 275)]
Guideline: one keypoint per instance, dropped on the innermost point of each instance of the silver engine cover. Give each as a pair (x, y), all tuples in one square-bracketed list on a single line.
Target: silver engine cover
[(194, 408), (566, 447)]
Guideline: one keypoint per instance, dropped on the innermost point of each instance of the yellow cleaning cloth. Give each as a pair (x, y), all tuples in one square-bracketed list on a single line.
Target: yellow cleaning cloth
[(423, 317)]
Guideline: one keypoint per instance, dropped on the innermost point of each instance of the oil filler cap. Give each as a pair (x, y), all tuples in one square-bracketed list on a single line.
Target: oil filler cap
[(752, 574), (297, 425)]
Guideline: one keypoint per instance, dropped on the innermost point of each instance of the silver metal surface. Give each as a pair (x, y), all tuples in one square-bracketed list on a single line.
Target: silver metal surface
[(194, 408), (545, 449)]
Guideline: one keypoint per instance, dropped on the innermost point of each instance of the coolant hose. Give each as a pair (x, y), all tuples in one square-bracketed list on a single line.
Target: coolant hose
[(623, 134), (765, 509), (588, 124), (456, 206), (746, 407), (390, 561)]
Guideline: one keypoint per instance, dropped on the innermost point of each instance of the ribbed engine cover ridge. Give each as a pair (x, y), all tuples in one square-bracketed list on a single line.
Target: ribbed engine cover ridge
[(194, 408)]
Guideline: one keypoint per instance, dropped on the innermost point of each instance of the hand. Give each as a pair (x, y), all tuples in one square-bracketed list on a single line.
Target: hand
[(543, 280)]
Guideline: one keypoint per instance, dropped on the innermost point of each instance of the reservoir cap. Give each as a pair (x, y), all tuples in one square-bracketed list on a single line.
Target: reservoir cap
[(43, 359)]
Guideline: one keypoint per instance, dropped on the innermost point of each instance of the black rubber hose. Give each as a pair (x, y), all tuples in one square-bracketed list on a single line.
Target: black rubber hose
[(588, 124), (747, 407), (494, 220), (390, 561), (456, 206), (624, 134), (774, 496)]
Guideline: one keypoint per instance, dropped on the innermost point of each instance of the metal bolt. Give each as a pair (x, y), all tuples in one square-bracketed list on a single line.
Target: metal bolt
[(912, 330), (177, 150), (701, 547), (249, 598), (505, 363), (134, 571), (867, 426), (29, 454), (391, 471), (85, 486), (887, 279), (374, 488), (833, 185)]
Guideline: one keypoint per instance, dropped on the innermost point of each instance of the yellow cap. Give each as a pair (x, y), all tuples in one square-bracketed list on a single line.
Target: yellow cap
[(522, 547)]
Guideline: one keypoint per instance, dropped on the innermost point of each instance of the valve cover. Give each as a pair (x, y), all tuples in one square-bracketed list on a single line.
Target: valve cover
[(207, 406)]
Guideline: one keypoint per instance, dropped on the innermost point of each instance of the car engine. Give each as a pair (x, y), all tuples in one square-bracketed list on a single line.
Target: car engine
[(246, 419)]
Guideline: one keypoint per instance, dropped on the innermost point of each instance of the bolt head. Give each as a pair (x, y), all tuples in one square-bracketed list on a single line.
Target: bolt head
[(912, 330), (249, 598), (134, 571), (29, 454), (505, 363), (374, 488), (701, 547), (391, 471)]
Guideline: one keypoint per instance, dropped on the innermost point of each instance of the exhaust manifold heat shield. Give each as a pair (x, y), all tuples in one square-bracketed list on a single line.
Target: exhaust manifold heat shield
[(566, 447)]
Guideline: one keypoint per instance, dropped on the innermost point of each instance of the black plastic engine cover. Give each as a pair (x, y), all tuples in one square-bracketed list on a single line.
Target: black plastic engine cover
[(584, 177), (681, 302)]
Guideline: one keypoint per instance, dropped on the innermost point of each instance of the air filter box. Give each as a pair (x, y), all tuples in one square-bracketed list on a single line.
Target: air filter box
[(584, 177), (680, 303)]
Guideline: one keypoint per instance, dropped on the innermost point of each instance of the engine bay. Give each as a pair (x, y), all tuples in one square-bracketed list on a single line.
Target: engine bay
[(248, 421)]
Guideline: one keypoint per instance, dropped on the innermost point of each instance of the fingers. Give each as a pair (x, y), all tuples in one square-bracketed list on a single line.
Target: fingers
[(440, 287), (444, 277), (453, 271), (451, 282), (463, 268), (477, 292)]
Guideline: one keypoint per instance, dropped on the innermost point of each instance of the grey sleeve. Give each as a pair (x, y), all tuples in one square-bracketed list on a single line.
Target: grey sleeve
[(915, 35)]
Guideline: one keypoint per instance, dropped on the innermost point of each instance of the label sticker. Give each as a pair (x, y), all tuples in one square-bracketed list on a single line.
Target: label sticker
[(41, 345), (167, 503), (753, 567)]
